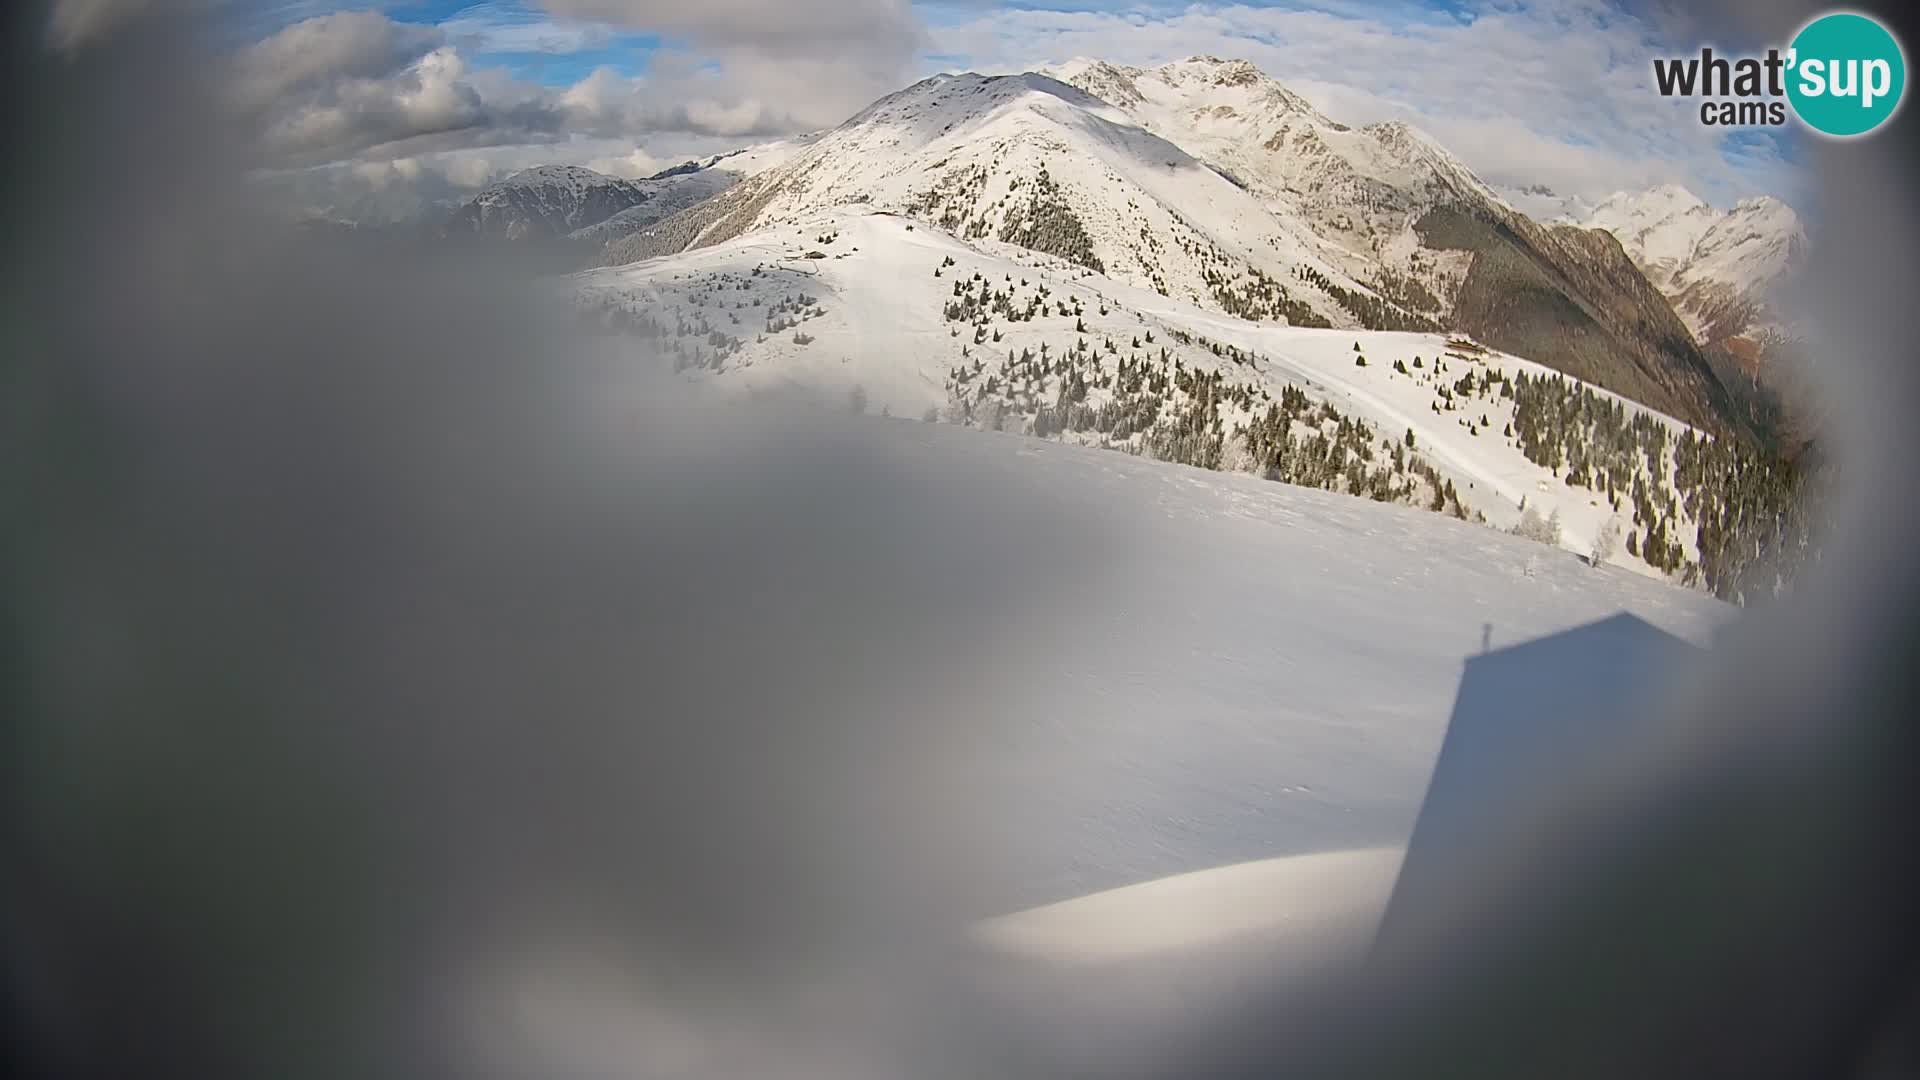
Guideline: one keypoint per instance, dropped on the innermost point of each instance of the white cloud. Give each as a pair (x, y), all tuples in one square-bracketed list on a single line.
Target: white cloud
[(358, 84), (438, 97), (379, 175), (469, 170), (762, 66), (679, 95), (353, 83), (634, 165), (858, 31), (347, 44)]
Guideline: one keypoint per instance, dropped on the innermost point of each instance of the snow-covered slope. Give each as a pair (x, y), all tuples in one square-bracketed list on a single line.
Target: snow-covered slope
[(1719, 267), (919, 323), (758, 158)]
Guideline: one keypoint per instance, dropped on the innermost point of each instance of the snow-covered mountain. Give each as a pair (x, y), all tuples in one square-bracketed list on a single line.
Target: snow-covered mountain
[(1028, 159), (1659, 227), (1398, 212), (578, 203), (692, 183), (1207, 182), (555, 200), (1731, 284), (662, 197), (1720, 268), (551, 200), (1353, 189)]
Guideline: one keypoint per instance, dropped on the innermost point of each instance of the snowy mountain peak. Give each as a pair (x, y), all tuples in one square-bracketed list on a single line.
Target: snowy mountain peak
[(1221, 72), (1233, 84), (1662, 203), (1677, 195), (1717, 266), (1033, 161), (1661, 198), (1410, 142), (1659, 228), (572, 177), (936, 106), (1771, 210), (1355, 191), (1101, 79)]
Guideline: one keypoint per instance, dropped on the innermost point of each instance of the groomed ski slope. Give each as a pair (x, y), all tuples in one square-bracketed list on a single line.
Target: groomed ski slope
[(875, 322)]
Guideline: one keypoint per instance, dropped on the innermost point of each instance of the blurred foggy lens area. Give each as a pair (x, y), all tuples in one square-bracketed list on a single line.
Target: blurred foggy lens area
[(458, 627)]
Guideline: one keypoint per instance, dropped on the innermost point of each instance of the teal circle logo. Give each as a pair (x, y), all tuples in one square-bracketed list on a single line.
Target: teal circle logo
[(1846, 74)]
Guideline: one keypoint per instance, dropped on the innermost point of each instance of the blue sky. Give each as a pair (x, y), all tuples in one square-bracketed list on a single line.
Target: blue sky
[(1526, 91), (530, 42), (532, 45)]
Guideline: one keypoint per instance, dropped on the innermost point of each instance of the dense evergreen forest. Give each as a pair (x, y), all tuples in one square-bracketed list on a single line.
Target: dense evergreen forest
[(1751, 513)]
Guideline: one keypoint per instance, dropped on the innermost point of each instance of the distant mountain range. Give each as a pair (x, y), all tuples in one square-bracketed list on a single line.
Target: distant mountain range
[(569, 202)]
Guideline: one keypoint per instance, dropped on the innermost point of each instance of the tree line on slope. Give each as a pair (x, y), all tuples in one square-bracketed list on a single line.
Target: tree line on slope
[(1753, 525), (1131, 393)]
